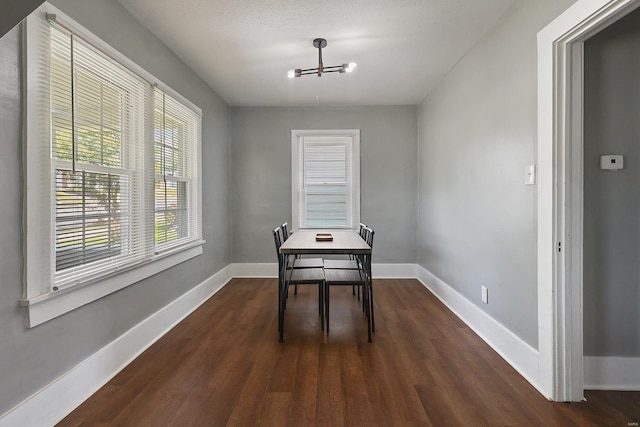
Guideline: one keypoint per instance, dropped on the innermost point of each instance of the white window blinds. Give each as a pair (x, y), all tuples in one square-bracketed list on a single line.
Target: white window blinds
[(325, 179), (112, 169), (97, 120), (176, 157)]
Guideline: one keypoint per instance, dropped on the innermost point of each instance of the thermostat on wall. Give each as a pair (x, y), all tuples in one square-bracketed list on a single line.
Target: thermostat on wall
[(611, 162)]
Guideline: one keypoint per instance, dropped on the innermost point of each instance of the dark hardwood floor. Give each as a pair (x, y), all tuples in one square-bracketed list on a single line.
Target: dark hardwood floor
[(223, 365)]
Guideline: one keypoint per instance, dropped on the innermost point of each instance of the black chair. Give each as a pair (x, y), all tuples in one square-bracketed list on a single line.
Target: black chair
[(285, 231), (341, 277), (295, 276), (360, 277), (297, 261), (353, 263), (368, 234), (294, 261)]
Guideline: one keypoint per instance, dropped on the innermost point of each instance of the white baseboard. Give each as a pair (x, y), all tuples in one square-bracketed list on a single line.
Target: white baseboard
[(520, 355), (56, 400), (612, 373), (379, 271), (53, 402), (393, 271), (258, 270)]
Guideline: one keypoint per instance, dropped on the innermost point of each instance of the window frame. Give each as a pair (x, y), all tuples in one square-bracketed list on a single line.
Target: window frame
[(133, 92), (188, 160), (41, 301), (297, 174)]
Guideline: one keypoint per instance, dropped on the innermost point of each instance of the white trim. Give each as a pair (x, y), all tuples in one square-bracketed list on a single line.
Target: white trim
[(559, 195), (110, 51), (258, 270), (45, 307), (296, 171), (270, 270), (394, 271), (612, 373), (41, 301), (37, 185), (520, 355), (57, 399)]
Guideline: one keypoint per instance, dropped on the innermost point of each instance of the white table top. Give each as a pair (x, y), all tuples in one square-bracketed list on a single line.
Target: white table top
[(344, 242)]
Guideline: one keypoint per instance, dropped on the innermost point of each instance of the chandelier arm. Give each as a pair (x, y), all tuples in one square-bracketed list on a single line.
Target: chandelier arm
[(319, 43)]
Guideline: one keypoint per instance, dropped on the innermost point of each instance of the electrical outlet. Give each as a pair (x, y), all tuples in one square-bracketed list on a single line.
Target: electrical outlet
[(485, 294)]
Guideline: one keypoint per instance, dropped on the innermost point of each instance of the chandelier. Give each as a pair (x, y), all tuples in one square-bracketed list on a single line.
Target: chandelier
[(321, 69)]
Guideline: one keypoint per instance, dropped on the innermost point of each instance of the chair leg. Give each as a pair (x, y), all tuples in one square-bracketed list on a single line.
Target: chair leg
[(326, 296), (279, 307), (353, 289), (367, 307), (365, 298), (285, 297), (295, 291), (367, 293), (373, 319), (321, 304), (321, 291), (281, 312)]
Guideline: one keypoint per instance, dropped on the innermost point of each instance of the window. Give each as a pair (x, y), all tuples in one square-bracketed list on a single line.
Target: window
[(176, 132), (112, 170), (325, 179), (97, 144)]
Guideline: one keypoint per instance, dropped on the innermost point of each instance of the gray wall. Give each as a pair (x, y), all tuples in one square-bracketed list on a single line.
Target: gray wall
[(32, 358), (261, 175), (477, 132), (611, 199)]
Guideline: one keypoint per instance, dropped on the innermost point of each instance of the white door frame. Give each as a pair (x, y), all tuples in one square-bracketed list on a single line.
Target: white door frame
[(560, 192)]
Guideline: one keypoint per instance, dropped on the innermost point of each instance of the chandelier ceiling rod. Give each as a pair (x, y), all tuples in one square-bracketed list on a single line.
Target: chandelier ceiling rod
[(319, 43)]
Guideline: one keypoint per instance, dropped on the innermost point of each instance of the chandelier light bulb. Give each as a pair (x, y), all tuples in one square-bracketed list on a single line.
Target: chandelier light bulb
[(291, 74), (351, 67)]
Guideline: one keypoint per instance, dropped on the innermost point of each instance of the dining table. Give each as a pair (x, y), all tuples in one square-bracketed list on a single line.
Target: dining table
[(334, 242)]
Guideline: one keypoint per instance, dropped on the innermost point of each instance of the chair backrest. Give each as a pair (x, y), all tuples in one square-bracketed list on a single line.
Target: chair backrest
[(361, 231), (369, 236), (285, 231), (278, 241)]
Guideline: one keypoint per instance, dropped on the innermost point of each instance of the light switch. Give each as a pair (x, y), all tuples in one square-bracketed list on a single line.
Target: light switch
[(530, 175), (611, 162)]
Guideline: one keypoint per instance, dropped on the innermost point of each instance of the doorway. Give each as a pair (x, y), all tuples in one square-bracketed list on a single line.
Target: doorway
[(611, 230), (560, 191)]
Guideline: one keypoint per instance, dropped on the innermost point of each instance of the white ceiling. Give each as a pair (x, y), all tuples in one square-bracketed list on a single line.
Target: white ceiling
[(244, 48)]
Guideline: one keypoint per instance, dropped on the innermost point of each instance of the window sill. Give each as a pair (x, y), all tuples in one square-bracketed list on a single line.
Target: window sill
[(47, 306)]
